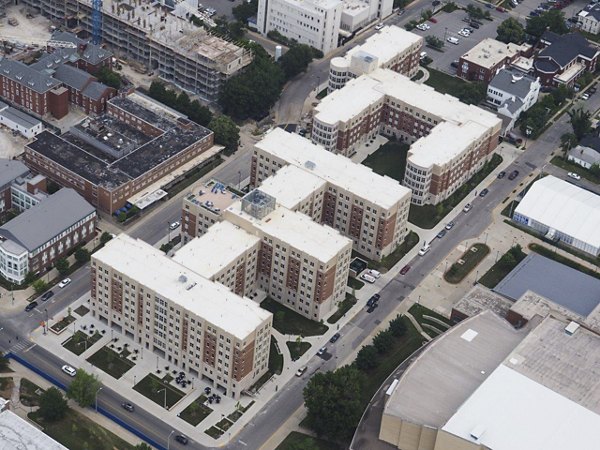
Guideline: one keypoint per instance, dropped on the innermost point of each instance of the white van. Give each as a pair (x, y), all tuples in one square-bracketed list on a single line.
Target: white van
[(368, 278), (424, 250), (374, 273), (423, 55), (453, 40)]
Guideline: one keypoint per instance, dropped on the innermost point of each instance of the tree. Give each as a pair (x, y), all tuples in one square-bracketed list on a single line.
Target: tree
[(105, 237), (296, 60), (245, 10), (366, 358), (62, 265), (226, 132), (83, 388), (580, 121), (53, 406), (510, 31), (595, 170), (397, 326), (567, 142), (4, 364), (142, 446), (553, 20), (434, 42), (472, 93), (39, 286), (29, 277), (307, 443), (383, 341), (108, 77), (82, 255), (199, 114), (332, 400)]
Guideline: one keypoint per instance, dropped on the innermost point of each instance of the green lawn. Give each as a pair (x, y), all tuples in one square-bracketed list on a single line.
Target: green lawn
[(81, 310), (550, 254), (559, 161), (287, 321), (224, 424), (444, 83), (427, 216), (296, 440), (418, 311), (457, 272), (63, 323), (354, 283), (297, 349), (214, 432), (389, 159), (196, 412), (6, 383), (153, 387), (234, 416), (392, 259), (80, 342), (275, 358), (501, 268), (111, 362), (75, 431), (29, 393), (343, 308)]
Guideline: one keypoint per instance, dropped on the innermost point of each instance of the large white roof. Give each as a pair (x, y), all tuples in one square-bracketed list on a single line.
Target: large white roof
[(220, 246), (212, 301), (338, 170), (18, 434), (291, 186), (387, 44), (563, 207), (510, 411)]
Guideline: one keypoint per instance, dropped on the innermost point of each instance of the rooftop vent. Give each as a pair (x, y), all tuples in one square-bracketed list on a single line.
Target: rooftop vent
[(571, 328), (182, 278), (477, 432), (310, 165)]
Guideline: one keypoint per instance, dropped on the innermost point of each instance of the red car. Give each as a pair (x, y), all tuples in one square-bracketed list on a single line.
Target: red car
[(404, 270), (433, 19), (499, 8)]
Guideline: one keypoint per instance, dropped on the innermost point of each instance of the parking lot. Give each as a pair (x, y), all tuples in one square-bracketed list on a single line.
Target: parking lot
[(223, 7), (526, 6)]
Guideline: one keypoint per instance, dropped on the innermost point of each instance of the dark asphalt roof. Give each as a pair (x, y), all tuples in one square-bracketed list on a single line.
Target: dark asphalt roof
[(10, 170), (72, 76), (94, 54), (67, 37), (546, 65), (27, 76), (564, 49), (95, 90), (50, 61), (561, 284), (513, 82), (592, 142)]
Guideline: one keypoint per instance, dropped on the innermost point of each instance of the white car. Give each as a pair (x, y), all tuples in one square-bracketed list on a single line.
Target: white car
[(374, 273), (585, 96), (301, 371), (464, 33), (423, 27), (69, 370), (174, 225), (379, 26), (574, 176), (467, 207), (453, 40), (322, 351), (368, 278), (64, 283), (424, 250)]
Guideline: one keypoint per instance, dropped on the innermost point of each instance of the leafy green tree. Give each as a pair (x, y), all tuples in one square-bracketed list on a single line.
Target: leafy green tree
[(105, 237), (245, 10), (433, 41), (553, 20), (29, 277), (580, 121), (39, 286), (62, 265), (142, 446), (296, 60), (383, 341), (226, 132), (427, 14), (595, 170), (397, 326), (183, 102), (82, 255), (510, 30), (53, 406), (472, 93), (83, 388), (567, 142), (366, 358), (308, 443), (199, 114), (4, 364), (109, 78), (332, 400)]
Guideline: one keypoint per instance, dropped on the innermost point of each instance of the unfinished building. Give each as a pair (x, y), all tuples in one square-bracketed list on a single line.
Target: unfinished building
[(159, 37)]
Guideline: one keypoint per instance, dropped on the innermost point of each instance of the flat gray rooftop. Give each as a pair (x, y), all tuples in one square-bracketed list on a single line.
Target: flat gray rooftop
[(452, 368), (561, 284)]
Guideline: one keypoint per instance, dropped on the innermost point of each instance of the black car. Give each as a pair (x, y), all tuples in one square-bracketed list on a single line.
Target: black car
[(501, 175), (441, 234), (435, 2), (484, 192), (47, 296), (335, 337), (514, 174), (372, 308), (181, 439), (376, 297), (128, 406), (474, 24), (31, 306)]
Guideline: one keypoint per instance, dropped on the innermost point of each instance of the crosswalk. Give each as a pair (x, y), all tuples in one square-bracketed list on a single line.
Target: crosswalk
[(21, 346)]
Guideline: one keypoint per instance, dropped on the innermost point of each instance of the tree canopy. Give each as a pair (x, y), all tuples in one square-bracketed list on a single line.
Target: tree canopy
[(553, 20), (226, 132), (296, 60), (510, 31), (472, 93), (83, 388), (53, 406), (194, 110), (581, 122), (245, 10)]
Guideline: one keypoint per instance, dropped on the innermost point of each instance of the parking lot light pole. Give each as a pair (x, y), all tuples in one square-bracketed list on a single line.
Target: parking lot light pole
[(169, 439), (96, 400), (165, 389)]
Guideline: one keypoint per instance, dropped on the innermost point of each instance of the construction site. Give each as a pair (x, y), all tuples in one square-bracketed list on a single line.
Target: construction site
[(159, 38)]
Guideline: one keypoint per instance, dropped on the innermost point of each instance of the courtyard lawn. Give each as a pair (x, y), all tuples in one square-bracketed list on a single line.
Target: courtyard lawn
[(389, 159), (287, 321), (444, 83), (354, 283), (63, 323), (196, 412), (343, 308), (153, 387), (110, 362), (80, 342), (502, 267), (297, 349), (29, 393)]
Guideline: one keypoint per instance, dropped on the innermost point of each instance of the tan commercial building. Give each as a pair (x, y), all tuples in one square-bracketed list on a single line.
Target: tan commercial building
[(196, 324), (450, 140), (370, 209), (262, 245), (486, 385)]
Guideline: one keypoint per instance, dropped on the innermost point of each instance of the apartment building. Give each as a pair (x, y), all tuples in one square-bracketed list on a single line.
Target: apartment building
[(151, 34), (196, 324), (370, 209), (391, 48), (359, 13), (450, 140)]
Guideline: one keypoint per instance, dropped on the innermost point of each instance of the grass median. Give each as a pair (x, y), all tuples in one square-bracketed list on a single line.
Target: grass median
[(467, 262)]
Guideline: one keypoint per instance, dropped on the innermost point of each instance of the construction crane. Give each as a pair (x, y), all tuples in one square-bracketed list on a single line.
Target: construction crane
[(36, 41), (97, 21)]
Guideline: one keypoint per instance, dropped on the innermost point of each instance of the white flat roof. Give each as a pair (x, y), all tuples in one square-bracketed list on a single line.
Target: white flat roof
[(291, 185), (564, 207), (212, 301), (387, 43), (298, 231), (512, 412), (490, 52), (438, 148), (18, 434), (210, 253), (338, 170)]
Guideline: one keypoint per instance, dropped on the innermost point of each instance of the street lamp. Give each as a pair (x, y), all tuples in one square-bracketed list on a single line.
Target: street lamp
[(239, 179), (169, 231), (165, 389), (96, 400), (169, 439), (46, 323), (527, 133)]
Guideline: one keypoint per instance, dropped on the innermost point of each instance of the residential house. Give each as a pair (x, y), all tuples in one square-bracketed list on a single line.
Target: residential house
[(587, 153), (588, 19)]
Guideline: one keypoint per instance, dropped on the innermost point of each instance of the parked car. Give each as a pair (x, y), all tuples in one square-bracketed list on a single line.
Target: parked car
[(441, 234), (432, 20), (484, 192), (69, 370), (453, 40), (514, 174), (374, 273), (449, 225), (374, 299), (467, 207), (423, 55), (128, 406), (335, 337), (463, 33), (379, 26), (174, 225), (500, 9), (470, 30), (64, 283), (47, 296), (585, 96), (31, 306), (301, 371), (574, 175), (435, 2), (181, 439), (322, 351), (501, 175), (454, 64), (404, 270), (371, 308), (368, 278), (424, 250)]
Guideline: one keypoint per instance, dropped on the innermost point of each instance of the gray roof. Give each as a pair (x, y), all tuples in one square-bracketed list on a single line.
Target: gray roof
[(11, 170), (72, 76), (584, 153), (564, 49), (94, 54), (513, 105), (593, 10), (49, 61), (20, 117), (561, 284), (95, 90), (67, 37), (27, 76), (46, 220), (513, 82)]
